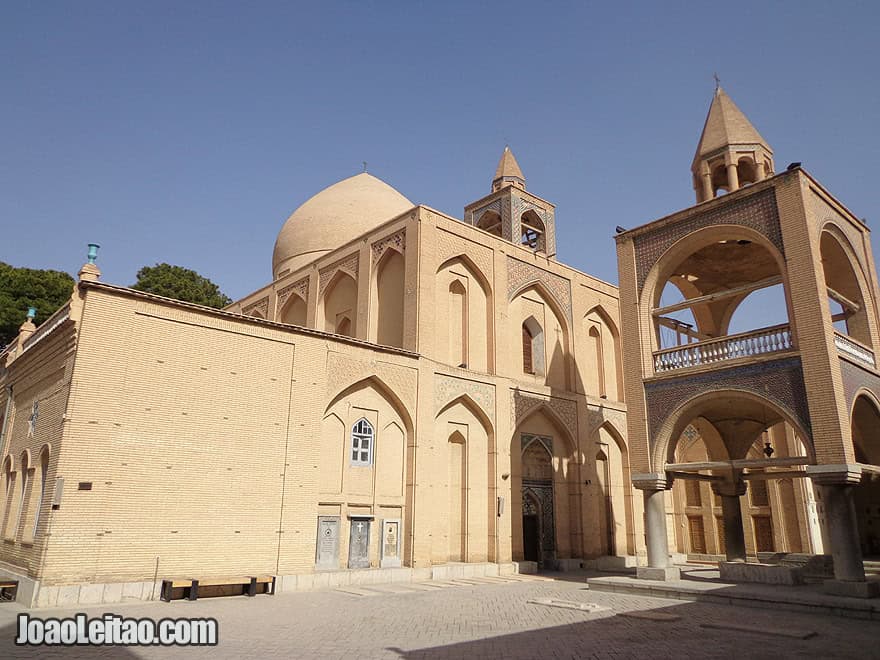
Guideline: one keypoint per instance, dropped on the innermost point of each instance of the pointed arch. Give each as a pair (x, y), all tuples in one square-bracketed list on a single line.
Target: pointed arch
[(613, 376), (556, 420), (547, 295), (387, 298), (619, 509), (384, 389), (471, 266), (844, 272), (557, 370), (339, 302), (468, 402), (692, 409), (467, 316), (490, 221), (294, 311)]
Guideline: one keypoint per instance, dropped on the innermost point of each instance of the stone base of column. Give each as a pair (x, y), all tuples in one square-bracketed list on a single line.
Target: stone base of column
[(659, 574), (852, 589)]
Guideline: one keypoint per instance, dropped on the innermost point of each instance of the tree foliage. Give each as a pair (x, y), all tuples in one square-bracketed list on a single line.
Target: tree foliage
[(181, 284), (20, 288)]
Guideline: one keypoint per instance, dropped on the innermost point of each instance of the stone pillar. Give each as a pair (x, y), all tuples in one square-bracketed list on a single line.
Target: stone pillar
[(836, 485), (759, 169), (734, 535), (654, 487), (732, 177), (708, 193)]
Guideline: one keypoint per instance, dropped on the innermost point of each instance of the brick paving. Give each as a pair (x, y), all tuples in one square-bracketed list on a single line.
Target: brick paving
[(492, 619)]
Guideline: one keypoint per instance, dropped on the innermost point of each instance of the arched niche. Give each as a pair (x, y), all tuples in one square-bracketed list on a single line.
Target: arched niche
[(384, 480), (548, 331), (294, 311), (618, 491), (463, 313), (387, 296), (602, 372), (465, 437), (338, 305), (559, 495)]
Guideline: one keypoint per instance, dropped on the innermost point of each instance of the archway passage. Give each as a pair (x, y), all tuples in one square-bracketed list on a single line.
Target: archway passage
[(866, 441), (531, 529), (537, 498)]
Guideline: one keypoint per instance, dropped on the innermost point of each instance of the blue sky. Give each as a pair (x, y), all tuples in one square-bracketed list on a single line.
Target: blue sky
[(187, 132)]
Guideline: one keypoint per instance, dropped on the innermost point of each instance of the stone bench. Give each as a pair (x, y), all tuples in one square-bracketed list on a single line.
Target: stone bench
[(192, 589), (736, 571), (812, 566)]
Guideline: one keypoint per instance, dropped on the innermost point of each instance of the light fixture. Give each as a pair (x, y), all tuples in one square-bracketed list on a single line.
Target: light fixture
[(768, 449)]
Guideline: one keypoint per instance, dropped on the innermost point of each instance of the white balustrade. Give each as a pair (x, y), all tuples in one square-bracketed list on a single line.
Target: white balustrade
[(747, 344), (854, 350)]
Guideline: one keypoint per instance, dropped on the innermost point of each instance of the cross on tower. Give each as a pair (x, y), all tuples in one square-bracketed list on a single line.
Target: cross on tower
[(717, 80)]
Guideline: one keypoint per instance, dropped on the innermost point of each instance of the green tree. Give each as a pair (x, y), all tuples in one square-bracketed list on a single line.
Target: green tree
[(20, 288), (181, 284)]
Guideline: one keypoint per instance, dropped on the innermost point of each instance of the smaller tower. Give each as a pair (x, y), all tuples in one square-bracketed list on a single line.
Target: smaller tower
[(512, 213), (731, 153)]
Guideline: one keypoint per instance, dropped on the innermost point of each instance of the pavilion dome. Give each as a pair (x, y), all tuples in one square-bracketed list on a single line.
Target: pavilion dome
[(333, 217)]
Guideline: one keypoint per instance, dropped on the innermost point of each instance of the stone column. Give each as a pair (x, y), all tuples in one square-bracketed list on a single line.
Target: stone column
[(654, 487), (836, 485), (732, 177), (734, 535), (759, 169), (708, 192)]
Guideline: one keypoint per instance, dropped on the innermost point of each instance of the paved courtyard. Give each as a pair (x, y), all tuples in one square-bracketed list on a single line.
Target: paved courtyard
[(487, 618)]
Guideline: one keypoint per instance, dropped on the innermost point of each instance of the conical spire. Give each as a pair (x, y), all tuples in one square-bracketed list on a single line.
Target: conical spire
[(731, 153), (508, 172), (726, 125)]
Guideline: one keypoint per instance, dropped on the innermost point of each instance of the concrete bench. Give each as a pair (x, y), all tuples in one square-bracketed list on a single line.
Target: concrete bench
[(8, 589), (191, 589)]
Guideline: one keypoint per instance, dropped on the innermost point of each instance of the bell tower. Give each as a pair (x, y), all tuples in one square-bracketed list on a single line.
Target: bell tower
[(731, 153), (512, 213)]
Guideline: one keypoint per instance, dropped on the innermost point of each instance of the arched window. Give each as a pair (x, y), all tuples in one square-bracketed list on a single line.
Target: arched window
[(532, 228), (528, 362), (362, 443), (490, 221), (533, 347)]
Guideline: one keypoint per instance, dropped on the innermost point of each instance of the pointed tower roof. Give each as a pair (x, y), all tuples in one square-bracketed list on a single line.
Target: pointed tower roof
[(508, 171), (726, 125)]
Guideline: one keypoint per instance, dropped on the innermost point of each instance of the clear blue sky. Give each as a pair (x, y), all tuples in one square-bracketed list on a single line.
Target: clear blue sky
[(187, 132)]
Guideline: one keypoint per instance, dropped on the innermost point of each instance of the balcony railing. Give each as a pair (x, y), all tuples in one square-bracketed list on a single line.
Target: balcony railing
[(854, 350), (732, 347)]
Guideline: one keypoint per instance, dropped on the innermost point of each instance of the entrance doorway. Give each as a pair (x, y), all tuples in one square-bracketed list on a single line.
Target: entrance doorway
[(531, 530)]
